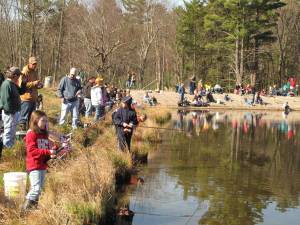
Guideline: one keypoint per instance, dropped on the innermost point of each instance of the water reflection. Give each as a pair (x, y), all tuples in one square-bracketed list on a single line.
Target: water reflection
[(245, 167)]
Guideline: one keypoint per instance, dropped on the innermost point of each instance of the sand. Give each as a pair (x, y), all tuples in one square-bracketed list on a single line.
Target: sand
[(273, 103)]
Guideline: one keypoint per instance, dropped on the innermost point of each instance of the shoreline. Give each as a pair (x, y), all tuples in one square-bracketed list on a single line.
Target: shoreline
[(169, 99)]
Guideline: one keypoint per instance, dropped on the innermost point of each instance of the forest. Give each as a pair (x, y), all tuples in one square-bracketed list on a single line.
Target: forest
[(227, 42)]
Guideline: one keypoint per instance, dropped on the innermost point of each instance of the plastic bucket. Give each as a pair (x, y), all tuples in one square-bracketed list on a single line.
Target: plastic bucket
[(15, 184), (48, 82)]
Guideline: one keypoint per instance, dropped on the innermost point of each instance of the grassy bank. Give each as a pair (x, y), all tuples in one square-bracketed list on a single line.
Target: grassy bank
[(79, 190)]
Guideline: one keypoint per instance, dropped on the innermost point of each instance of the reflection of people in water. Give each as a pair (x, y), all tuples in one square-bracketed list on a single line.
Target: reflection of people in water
[(291, 131), (179, 123)]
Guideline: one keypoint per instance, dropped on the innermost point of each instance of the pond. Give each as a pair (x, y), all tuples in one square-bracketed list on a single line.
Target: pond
[(227, 168)]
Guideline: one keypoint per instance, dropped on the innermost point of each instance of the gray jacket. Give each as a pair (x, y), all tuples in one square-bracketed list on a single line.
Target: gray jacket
[(68, 88)]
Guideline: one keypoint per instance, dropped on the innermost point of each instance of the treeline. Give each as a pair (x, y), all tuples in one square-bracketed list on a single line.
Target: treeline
[(219, 41)]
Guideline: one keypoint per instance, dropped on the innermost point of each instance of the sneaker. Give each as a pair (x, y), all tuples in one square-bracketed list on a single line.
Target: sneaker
[(29, 205)]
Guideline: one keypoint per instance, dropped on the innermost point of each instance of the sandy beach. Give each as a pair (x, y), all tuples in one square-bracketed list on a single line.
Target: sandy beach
[(169, 99)]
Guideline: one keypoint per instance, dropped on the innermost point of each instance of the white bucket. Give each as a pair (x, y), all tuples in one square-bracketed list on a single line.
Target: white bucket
[(15, 184), (48, 82)]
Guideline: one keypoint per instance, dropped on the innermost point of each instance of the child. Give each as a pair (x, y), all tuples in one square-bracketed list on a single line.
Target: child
[(98, 98), (38, 152)]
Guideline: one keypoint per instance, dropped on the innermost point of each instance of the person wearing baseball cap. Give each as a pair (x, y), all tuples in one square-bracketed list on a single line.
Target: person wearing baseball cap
[(68, 91), (10, 103), (125, 119), (29, 98)]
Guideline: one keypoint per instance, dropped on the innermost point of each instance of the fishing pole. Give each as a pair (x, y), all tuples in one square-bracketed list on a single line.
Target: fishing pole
[(162, 128)]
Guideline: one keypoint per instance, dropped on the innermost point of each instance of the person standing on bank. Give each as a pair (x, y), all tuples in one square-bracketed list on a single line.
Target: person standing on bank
[(125, 119), (39, 150), (68, 90), (87, 96), (99, 98), (29, 98), (10, 103)]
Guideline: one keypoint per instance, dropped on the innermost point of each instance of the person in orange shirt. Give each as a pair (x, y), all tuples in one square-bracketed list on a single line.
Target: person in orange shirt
[(29, 98)]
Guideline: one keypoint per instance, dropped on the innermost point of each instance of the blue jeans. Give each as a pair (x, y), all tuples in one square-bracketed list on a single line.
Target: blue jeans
[(10, 122), (88, 107), (100, 111), (27, 107), (67, 107), (37, 180)]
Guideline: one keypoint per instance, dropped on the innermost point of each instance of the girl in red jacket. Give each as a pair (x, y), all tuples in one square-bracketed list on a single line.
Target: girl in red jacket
[(38, 152)]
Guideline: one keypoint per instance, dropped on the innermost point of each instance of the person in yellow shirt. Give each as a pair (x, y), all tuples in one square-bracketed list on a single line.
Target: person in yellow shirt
[(29, 98)]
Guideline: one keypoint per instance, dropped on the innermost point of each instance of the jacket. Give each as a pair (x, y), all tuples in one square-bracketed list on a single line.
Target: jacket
[(10, 100), (87, 90), (37, 151), (98, 96), (31, 76), (68, 88)]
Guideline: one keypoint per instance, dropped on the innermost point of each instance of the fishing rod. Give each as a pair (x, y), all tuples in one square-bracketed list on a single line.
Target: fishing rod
[(162, 128)]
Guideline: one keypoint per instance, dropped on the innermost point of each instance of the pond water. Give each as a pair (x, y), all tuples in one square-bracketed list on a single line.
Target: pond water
[(224, 168)]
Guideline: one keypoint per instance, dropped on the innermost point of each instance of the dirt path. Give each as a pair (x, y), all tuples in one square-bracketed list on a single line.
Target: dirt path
[(170, 99)]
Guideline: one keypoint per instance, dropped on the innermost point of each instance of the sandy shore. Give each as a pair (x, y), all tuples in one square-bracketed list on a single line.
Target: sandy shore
[(170, 99)]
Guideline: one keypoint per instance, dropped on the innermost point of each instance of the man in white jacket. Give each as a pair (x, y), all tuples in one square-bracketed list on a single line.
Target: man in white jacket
[(99, 98)]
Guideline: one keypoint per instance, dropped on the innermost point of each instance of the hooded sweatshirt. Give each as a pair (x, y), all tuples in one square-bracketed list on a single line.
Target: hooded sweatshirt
[(37, 151)]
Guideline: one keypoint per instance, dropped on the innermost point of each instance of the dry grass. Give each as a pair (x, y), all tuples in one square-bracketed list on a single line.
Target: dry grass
[(78, 190)]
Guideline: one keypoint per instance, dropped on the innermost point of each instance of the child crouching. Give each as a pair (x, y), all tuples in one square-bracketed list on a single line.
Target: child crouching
[(38, 152)]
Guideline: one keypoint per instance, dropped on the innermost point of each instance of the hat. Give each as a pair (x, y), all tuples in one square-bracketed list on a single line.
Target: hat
[(73, 71), (99, 80), (14, 71), (127, 100), (32, 60)]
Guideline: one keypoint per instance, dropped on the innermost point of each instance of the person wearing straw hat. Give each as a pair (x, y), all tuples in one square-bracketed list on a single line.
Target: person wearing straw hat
[(29, 98), (99, 98), (10, 103), (68, 91), (125, 119)]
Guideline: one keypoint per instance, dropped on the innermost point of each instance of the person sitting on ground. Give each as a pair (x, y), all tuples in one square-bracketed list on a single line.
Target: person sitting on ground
[(149, 100), (248, 89), (38, 151), (210, 98), (10, 103), (237, 89), (227, 98), (258, 99), (248, 101), (218, 89)]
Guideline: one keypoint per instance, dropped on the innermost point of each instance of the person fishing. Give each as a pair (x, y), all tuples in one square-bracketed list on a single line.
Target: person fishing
[(125, 119), (38, 151)]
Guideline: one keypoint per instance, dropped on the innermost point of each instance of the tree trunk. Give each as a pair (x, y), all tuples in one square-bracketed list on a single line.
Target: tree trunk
[(242, 60), (237, 61), (158, 66), (59, 43), (32, 49)]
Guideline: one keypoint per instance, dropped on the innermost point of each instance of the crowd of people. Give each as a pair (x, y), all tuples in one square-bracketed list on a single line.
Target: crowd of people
[(203, 93), (19, 103)]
